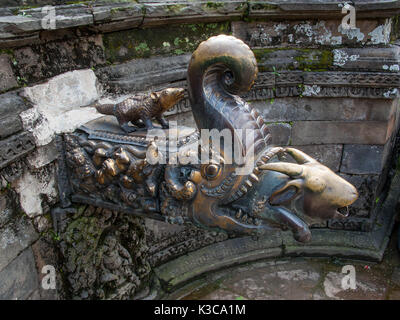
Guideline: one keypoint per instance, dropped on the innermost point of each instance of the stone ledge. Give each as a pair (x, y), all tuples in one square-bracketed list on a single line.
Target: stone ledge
[(19, 279), (346, 132), (354, 156), (107, 16)]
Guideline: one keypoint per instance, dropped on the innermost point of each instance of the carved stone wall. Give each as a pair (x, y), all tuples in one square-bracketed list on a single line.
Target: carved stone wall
[(330, 92)]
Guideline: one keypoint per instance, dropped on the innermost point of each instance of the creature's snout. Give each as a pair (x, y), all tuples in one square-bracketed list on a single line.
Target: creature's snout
[(324, 192)]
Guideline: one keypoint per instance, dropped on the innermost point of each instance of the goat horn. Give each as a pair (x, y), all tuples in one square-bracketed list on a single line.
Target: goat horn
[(291, 169), (299, 156)]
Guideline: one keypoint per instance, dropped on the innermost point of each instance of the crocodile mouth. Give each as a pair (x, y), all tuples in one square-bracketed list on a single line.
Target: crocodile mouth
[(240, 217)]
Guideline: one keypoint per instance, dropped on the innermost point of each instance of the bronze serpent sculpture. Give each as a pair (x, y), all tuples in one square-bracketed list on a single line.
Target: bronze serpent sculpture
[(110, 168)]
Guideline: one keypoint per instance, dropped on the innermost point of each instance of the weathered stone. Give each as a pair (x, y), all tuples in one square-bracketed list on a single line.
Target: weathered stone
[(57, 105), (141, 74), (45, 253), (19, 279), (69, 16), (319, 9), (7, 207), (42, 156), (167, 40), (7, 77), (328, 154), (165, 12), (15, 147), (351, 132), (370, 59), (15, 237), (294, 109), (43, 61), (11, 104), (12, 26), (34, 188), (366, 186), (9, 126), (362, 159), (280, 132), (307, 33), (114, 17)]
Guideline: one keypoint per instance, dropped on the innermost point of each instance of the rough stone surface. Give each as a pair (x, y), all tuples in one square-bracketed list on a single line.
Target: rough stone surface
[(57, 105), (46, 254), (350, 132), (141, 74), (19, 279), (101, 262), (308, 33), (15, 237), (328, 154), (39, 62), (7, 77), (366, 186), (294, 109), (280, 132), (362, 159), (42, 156), (37, 191), (10, 106)]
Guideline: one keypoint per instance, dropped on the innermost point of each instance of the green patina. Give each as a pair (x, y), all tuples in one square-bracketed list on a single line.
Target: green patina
[(175, 39)]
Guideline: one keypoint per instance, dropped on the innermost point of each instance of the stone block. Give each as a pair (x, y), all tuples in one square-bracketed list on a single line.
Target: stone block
[(160, 12), (57, 105), (15, 237), (11, 104), (370, 59), (366, 186), (280, 132), (173, 39), (54, 56), (7, 207), (19, 279), (7, 77), (328, 154), (45, 253), (9, 126), (142, 74), (15, 147), (362, 159), (30, 185), (42, 156), (346, 109), (346, 132)]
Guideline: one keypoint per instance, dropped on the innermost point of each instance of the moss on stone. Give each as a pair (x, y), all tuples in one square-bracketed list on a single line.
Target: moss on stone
[(167, 40), (304, 59), (213, 5), (264, 6)]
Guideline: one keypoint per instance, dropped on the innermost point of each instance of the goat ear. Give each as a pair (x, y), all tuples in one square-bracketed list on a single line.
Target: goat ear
[(287, 193)]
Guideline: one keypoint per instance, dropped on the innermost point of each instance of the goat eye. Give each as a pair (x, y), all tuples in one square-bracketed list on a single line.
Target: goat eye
[(211, 171)]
